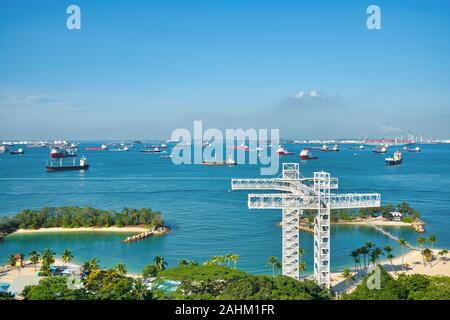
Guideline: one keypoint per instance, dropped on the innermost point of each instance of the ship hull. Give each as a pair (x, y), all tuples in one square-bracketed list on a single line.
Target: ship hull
[(66, 168), (308, 158), (393, 162)]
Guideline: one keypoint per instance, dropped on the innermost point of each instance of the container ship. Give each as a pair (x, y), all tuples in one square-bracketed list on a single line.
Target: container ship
[(305, 154), (83, 165), (395, 160)]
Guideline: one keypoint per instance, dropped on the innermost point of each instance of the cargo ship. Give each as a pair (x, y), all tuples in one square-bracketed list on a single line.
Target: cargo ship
[(305, 154), (18, 151), (154, 150), (61, 153), (83, 165), (103, 147), (283, 152), (395, 160), (229, 162)]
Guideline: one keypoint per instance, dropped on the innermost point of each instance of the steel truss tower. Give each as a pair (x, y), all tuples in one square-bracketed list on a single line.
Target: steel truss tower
[(296, 194)]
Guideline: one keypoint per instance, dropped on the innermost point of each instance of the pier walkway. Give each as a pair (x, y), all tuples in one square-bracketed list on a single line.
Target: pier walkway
[(410, 246)]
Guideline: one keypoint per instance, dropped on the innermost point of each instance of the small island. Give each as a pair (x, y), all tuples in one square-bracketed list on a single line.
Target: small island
[(389, 215), (77, 219)]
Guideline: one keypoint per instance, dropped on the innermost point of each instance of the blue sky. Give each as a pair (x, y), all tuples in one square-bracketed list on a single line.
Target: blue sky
[(140, 69)]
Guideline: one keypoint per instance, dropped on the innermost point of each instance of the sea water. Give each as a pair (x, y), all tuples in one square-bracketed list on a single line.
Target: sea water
[(206, 218)]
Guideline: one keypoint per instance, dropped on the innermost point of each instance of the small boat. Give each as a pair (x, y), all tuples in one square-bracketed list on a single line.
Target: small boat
[(380, 150), (154, 150), (83, 165), (166, 156), (305, 154), (229, 162), (362, 146), (416, 149), (56, 153), (103, 147), (163, 146), (18, 151), (3, 149), (395, 160)]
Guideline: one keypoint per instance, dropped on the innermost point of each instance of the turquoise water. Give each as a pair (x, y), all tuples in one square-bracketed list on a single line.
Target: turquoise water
[(205, 217)]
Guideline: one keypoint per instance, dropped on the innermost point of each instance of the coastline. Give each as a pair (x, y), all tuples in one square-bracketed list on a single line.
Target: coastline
[(129, 229), (411, 259), (114, 229)]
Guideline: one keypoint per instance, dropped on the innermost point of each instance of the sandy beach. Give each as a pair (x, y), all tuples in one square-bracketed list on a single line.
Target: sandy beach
[(412, 259), (91, 229), (379, 221)]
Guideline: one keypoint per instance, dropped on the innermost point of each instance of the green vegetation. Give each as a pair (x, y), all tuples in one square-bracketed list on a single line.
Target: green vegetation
[(409, 214), (75, 217), (405, 287)]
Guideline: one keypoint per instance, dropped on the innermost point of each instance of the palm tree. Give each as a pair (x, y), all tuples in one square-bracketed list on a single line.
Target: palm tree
[(34, 258), (12, 261), (302, 267), (139, 289), (48, 257), (355, 256), (368, 246), (427, 256), (377, 252), (279, 266), (183, 263), (193, 263), (347, 275), (234, 257), (421, 241), (67, 256), (442, 254), (160, 263), (94, 264), (121, 269), (402, 243), (389, 255), (432, 239), (272, 261), (364, 251)]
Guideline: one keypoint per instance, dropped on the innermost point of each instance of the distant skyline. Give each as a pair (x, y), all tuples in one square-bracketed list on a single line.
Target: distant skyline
[(140, 69)]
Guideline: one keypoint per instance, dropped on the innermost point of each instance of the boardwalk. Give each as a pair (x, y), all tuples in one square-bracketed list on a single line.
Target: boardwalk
[(410, 246)]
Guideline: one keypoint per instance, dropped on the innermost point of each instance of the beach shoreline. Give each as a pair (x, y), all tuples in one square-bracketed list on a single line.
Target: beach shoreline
[(128, 229), (414, 265)]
